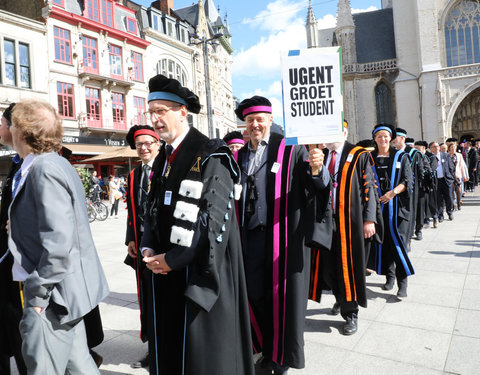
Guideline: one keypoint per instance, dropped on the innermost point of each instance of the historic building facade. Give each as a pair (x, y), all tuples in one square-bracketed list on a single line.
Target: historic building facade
[(92, 60), (413, 63)]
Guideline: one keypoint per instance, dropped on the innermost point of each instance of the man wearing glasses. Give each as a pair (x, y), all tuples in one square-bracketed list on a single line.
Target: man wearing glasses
[(199, 320), (147, 143)]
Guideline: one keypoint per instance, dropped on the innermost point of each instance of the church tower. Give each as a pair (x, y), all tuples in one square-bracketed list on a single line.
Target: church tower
[(345, 32), (386, 4), (312, 28)]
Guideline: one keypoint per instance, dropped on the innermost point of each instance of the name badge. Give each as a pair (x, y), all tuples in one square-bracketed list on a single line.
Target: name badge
[(399, 164), (275, 167), (349, 158), (168, 198)]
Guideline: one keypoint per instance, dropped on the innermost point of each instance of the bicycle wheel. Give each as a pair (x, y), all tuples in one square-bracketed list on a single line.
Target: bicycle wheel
[(91, 213), (102, 211)]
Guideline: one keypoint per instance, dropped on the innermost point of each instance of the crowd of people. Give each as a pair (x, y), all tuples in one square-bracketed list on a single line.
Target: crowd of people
[(228, 238)]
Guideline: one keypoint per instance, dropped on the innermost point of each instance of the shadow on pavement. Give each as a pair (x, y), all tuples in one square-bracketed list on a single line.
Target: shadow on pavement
[(466, 254), (322, 325)]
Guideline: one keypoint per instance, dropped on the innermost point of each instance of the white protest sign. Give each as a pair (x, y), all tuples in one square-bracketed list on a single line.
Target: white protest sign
[(312, 96)]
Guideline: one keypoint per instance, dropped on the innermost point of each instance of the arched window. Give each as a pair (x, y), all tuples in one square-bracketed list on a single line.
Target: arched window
[(172, 69), (462, 31), (383, 100)]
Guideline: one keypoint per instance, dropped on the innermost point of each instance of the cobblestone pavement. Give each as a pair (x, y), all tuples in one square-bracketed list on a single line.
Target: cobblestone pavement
[(433, 331)]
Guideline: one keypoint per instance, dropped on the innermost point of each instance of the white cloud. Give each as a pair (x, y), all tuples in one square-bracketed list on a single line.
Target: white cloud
[(284, 22), (327, 22), (371, 8), (277, 16)]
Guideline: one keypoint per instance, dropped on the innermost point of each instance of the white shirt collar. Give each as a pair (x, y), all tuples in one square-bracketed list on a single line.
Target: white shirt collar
[(179, 139)]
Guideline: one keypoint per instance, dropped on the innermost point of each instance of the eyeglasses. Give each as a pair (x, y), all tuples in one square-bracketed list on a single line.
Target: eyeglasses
[(158, 113), (139, 145)]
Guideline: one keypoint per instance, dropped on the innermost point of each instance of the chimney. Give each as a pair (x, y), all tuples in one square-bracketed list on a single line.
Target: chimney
[(163, 5)]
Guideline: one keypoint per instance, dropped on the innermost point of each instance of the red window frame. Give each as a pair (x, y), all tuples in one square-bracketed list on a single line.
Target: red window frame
[(63, 45), (107, 13), (66, 100), (118, 111), (100, 11), (132, 22), (140, 109), (92, 10), (90, 54), (137, 60), (60, 3), (94, 107), (115, 54)]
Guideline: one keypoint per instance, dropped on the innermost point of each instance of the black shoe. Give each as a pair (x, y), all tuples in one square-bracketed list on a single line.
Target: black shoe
[(142, 363), (440, 219), (335, 309), (389, 284), (419, 236), (435, 225), (280, 369), (402, 292), (351, 325), (450, 217), (263, 367)]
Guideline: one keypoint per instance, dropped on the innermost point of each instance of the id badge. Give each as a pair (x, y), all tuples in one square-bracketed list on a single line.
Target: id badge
[(168, 198), (275, 167)]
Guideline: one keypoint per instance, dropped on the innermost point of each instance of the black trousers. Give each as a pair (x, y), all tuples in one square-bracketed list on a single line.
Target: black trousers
[(444, 197), (331, 274)]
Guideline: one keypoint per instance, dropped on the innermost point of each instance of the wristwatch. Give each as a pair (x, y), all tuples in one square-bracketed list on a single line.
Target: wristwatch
[(395, 191)]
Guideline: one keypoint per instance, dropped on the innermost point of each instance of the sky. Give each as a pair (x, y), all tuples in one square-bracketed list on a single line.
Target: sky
[(261, 30)]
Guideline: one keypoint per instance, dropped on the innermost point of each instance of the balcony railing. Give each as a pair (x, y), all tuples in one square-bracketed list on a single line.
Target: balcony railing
[(377, 66)]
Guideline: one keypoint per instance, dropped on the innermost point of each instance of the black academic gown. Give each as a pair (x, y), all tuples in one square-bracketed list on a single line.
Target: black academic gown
[(134, 233), (199, 316), (279, 336), (356, 202), (396, 215), (417, 167), (11, 310)]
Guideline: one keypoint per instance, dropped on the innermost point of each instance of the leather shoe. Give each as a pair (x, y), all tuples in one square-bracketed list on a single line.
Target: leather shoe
[(335, 309), (402, 292), (440, 219), (389, 284), (435, 223), (450, 217), (142, 363), (97, 358), (419, 236), (351, 325)]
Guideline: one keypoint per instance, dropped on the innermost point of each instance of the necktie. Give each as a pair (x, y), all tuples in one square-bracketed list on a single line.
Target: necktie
[(146, 179), (168, 150), (331, 165), (16, 182)]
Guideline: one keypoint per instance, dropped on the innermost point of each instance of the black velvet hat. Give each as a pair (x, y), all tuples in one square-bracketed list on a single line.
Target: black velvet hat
[(366, 143), (389, 128), (451, 140), (137, 130), (419, 143), (163, 88), (255, 104), (8, 113), (401, 132), (234, 137), (409, 140)]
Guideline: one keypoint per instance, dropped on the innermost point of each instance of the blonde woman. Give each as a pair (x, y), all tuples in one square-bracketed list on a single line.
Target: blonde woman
[(115, 195)]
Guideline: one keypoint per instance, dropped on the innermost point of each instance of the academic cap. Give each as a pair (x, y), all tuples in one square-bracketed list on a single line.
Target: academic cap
[(389, 128), (234, 137), (255, 104), (137, 130), (163, 88), (8, 112)]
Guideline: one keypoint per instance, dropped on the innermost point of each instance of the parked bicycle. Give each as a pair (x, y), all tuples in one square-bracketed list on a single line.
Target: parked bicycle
[(96, 210)]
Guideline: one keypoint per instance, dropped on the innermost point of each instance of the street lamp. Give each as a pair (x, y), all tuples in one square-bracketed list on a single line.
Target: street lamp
[(205, 42)]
